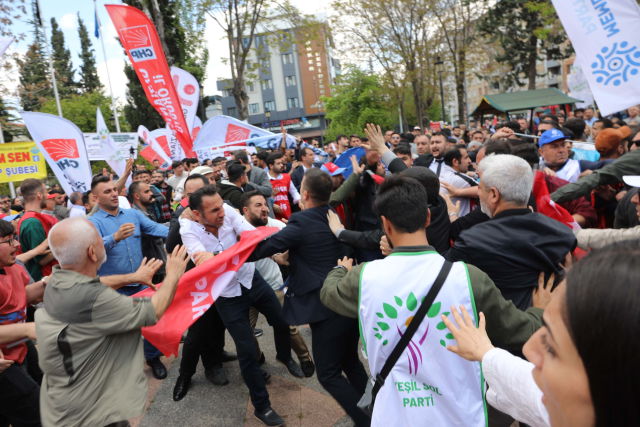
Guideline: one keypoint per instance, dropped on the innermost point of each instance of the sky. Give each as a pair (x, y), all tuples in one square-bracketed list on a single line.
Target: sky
[(65, 12)]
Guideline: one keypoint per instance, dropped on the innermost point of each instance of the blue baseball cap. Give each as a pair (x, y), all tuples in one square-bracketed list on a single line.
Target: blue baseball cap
[(10, 217), (550, 136)]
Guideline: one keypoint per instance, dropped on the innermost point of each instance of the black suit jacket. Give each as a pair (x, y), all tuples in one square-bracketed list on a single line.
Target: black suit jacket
[(174, 239), (313, 253)]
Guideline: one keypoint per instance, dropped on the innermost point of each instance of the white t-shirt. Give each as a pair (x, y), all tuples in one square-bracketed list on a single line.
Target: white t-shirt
[(448, 174)]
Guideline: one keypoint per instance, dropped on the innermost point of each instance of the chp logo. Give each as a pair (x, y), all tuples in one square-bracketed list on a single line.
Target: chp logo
[(138, 41), (62, 151)]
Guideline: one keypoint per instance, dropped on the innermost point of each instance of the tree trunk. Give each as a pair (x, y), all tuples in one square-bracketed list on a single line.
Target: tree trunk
[(241, 98), (160, 27), (533, 56), (461, 71)]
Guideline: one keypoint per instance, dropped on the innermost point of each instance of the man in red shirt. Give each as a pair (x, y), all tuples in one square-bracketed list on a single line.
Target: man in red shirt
[(282, 185), (19, 385)]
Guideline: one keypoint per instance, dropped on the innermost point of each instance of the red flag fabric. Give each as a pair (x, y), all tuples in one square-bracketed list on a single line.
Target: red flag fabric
[(140, 40), (281, 198), (197, 291)]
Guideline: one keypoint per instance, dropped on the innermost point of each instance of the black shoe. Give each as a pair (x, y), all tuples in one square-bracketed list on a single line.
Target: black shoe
[(229, 357), (308, 368), (258, 332), (266, 375), (158, 369), (261, 360), (269, 417), (292, 367), (216, 376), (181, 388)]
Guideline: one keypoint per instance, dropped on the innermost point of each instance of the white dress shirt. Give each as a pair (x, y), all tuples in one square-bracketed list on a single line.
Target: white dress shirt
[(448, 174), (437, 164), (292, 189), (198, 239), (77, 211), (512, 389)]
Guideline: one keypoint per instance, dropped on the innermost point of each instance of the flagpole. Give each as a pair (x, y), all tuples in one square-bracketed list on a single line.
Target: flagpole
[(53, 74), (104, 52)]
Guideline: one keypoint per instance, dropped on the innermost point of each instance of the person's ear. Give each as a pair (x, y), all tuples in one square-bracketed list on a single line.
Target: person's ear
[(387, 228), (92, 254), (428, 218)]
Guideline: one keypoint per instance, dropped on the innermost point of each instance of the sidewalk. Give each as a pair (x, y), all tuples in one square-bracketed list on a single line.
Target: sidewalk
[(301, 402)]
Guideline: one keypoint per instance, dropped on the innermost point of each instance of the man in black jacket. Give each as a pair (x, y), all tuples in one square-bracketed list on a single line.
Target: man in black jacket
[(205, 338), (314, 251), (306, 157)]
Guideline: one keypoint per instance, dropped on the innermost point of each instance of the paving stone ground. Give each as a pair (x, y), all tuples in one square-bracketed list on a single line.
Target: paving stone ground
[(301, 402)]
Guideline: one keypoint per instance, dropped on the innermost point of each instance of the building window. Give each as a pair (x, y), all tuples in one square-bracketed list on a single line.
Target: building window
[(322, 91), (270, 106), (260, 40), (266, 84), (321, 86), (311, 68), (247, 65), (309, 55), (319, 64), (254, 108), (293, 103), (320, 76), (265, 62), (290, 80), (245, 42), (232, 112), (309, 49), (249, 87), (311, 61), (287, 58), (226, 92)]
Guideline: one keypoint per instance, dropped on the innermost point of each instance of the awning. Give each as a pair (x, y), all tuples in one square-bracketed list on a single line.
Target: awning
[(508, 102)]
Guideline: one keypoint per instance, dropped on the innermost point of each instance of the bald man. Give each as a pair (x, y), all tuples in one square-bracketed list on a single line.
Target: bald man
[(89, 336)]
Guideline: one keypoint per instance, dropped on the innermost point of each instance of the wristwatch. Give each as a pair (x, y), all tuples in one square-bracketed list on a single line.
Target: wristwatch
[(453, 213)]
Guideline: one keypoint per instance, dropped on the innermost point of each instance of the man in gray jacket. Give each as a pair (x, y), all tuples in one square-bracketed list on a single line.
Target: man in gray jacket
[(255, 175)]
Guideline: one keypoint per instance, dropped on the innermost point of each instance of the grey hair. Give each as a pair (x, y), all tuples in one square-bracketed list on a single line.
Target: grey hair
[(71, 248), (510, 175), (473, 145), (75, 197)]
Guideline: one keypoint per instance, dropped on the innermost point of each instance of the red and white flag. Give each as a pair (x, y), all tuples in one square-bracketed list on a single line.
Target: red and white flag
[(62, 144), (153, 151), (198, 289), (189, 94), (142, 44), (548, 207)]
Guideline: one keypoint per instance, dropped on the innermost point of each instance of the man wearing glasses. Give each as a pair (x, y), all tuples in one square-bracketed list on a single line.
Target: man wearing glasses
[(5, 206), (395, 140)]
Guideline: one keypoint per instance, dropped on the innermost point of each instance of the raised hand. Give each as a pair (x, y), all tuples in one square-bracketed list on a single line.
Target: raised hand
[(146, 272), (542, 296), (473, 343), (125, 231), (346, 263), (200, 257), (177, 264), (334, 221), (376, 139), (357, 169)]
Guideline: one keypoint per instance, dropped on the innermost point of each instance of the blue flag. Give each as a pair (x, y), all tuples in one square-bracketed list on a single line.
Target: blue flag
[(97, 32), (344, 161)]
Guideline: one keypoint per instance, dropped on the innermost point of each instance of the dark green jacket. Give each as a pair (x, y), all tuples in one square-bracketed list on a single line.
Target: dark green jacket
[(629, 164), (507, 327)]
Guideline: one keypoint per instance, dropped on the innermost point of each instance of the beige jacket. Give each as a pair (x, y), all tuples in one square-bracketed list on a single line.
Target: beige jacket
[(596, 238)]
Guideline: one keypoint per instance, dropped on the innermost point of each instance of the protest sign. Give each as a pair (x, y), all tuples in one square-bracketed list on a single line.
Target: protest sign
[(21, 160)]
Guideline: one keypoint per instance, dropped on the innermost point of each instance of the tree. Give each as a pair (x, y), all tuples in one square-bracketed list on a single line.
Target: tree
[(527, 31), (89, 81), (34, 85), (82, 110), (357, 99), (62, 62), (10, 11)]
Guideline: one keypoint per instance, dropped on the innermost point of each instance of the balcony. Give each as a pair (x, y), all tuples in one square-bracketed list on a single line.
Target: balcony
[(552, 79), (552, 63)]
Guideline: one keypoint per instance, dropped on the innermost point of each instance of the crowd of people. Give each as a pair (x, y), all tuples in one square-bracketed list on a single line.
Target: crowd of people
[(429, 252)]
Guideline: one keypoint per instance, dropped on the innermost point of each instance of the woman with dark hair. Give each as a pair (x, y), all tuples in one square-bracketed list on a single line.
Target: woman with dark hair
[(584, 361)]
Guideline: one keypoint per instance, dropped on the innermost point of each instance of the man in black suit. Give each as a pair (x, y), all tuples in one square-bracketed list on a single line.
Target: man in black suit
[(205, 338), (306, 157), (314, 252)]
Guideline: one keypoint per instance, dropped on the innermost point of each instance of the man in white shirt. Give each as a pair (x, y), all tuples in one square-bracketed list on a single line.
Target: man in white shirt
[(177, 181), (456, 165), (256, 212), (438, 147), (77, 208), (215, 229)]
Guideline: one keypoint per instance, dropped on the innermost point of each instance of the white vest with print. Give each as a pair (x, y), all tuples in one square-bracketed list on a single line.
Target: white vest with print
[(429, 385), (570, 171)]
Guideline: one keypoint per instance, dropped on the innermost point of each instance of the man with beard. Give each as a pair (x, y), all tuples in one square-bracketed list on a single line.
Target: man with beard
[(282, 186), (516, 244), (438, 147), (457, 163), (255, 210)]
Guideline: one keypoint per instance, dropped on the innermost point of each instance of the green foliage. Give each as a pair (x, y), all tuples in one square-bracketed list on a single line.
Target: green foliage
[(62, 62), (356, 100), (81, 110), (34, 87), (527, 30), (89, 81)]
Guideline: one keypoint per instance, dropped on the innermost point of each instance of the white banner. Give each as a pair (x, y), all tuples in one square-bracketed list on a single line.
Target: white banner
[(62, 145), (578, 85), (188, 92), (220, 131), (226, 151), (124, 142), (115, 157), (604, 35), (149, 139), (177, 153), (4, 44)]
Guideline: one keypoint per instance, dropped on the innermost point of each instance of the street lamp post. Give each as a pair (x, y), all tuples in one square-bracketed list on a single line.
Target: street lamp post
[(440, 70), (268, 116)]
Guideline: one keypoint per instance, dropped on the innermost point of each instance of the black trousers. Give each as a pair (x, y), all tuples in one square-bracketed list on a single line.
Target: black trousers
[(235, 314), (335, 350), (205, 339), (20, 393)]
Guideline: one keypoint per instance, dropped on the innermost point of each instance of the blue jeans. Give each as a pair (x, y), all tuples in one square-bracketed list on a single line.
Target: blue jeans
[(150, 352)]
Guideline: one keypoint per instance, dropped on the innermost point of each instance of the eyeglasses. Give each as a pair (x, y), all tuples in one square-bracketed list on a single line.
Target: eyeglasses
[(11, 240)]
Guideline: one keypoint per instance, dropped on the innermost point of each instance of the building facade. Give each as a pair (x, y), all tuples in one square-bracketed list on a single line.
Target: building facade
[(290, 82)]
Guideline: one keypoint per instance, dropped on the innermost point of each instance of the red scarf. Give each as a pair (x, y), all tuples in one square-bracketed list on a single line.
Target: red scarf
[(47, 222), (281, 198)]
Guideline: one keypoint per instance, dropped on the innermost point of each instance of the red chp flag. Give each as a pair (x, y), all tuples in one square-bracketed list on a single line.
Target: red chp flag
[(140, 40), (198, 289)]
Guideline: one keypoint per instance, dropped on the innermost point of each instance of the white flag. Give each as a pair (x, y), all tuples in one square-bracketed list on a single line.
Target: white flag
[(149, 139), (578, 85), (115, 158), (188, 92), (62, 144), (604, 35), (177, 153), (4, 44), (220, 131)]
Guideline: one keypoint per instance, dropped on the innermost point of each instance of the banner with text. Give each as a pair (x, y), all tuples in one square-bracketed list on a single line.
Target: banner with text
[(198, 289), (62, 144), (124, 142), (140, 40), (579, 86), (21, 160), (220, 131), (604, 35)]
